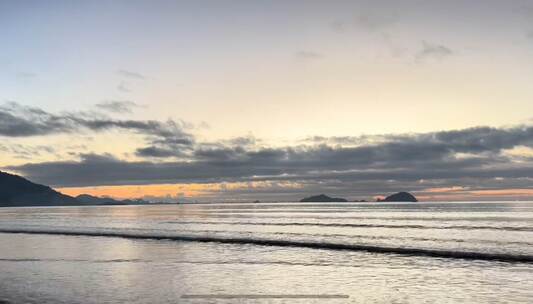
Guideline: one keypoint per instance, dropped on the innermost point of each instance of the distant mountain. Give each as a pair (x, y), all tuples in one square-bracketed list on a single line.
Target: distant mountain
[(95, 200), (18, 191), (400, 197), (322, 198)]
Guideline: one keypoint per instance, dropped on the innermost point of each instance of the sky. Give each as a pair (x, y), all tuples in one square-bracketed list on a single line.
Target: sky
[(269, 100)]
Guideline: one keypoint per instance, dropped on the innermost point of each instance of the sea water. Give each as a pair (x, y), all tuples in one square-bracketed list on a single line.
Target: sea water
[(269, 253)]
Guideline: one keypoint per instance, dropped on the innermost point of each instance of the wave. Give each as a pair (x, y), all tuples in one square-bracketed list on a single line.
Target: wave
[(313, 234), (318, 216), (339, 225), (469, 255), (322, 235), (322, 210), (283, 263)]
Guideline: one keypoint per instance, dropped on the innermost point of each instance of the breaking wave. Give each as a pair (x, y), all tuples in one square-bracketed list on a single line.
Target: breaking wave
[(470, 255)]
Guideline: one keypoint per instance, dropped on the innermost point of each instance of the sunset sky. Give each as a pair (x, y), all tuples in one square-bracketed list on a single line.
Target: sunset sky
[(269, 100)]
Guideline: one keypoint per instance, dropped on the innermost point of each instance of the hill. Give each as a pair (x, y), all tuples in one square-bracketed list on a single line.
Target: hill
[(400, 197), (322, 198), (95, 200), (18, 191)]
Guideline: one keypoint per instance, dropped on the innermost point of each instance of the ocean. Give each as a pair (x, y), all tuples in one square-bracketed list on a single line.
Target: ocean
[(446, 252)]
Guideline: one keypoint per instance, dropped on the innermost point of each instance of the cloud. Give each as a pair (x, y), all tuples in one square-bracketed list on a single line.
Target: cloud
[(243, 141), (93, 171), (339, 26), (18, 121), (308, 55), (157, 152), (117, 106), (470, 158), (131, 75), (21, 151), (26, 75), (368, 20), (22, 121), (432, 51), (374, 21), (123, 87)]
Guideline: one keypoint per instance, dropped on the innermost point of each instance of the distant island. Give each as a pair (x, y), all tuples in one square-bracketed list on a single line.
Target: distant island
[(16, 191), (399, 197), (322, 198), (396, 197), (95, 200)]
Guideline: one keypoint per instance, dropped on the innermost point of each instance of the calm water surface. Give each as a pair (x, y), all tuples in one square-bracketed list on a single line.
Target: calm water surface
[(364, 252)]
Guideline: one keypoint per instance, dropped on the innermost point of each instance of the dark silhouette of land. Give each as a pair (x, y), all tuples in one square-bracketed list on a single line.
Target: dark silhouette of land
[(396, 197), (400, 197), (323, 198), (16, 191), (95, 200)]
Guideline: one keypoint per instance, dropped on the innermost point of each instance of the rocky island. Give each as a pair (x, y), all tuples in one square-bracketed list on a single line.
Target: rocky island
[(399, 197), (322, 198)]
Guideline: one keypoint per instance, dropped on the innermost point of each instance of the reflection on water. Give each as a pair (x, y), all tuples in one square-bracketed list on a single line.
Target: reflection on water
[(42, 268)]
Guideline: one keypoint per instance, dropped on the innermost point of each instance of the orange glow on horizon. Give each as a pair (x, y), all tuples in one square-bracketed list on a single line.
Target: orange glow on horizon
[(172, 190), (136, 191), (464, 194), (175, 191)]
